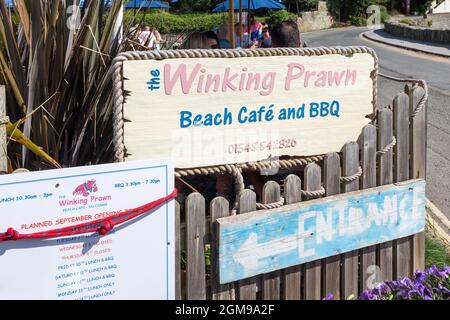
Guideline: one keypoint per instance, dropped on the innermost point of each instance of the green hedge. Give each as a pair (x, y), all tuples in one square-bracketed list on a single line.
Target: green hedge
[(173, 23)]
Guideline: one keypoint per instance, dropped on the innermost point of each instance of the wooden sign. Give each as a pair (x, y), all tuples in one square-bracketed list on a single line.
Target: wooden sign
[(264, 241), (210, 111), (133, 261)]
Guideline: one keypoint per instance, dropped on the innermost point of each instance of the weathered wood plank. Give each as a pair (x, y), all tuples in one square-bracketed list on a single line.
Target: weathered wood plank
[(312, 179), (271, 281), (402, 247), (3, 153), (350, 166), (292, 276), (332, 265), (385, 176), (195, 233), (247, 288), (401, 132), (267, 240), (418, 164), (177, 252), (219, 207), (368, 147), (418, 136)]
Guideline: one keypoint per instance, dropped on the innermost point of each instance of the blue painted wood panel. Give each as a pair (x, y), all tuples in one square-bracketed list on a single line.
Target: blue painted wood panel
[(264, 241)]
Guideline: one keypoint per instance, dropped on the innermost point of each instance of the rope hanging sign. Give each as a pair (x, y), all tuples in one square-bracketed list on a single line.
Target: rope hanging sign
[(95, 232), (206, 108)]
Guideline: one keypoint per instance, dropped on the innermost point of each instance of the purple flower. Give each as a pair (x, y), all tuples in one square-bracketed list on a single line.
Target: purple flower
[(443, 289), (405, 283), (424, 291), (427, 297), (436, 272), (381, 289), (366, 295), (446, 269), (402, 294), (329, 297), (420, 276)]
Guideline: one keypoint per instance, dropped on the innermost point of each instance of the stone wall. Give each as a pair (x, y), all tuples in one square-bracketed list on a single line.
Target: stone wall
[(440, 20), (315, 20), (417, 33)]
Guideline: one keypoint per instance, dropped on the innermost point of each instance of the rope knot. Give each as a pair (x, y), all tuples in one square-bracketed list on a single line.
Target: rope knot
[(12, 234), (105, 227)]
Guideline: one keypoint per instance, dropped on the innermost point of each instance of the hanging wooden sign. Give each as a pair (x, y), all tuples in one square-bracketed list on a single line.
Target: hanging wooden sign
[(267, 240), (212, 107)]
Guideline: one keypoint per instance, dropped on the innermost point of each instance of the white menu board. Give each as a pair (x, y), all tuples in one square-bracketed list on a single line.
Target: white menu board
[(133, 261)]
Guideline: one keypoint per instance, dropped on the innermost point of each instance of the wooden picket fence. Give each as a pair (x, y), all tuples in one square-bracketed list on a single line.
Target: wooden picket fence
[(341, 275)]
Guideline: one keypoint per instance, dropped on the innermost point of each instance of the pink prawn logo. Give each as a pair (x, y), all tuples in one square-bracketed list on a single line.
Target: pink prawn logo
[(86, 188)]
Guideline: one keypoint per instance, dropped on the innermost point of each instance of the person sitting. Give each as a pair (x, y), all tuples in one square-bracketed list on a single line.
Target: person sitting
[(157, 39), (213, 40), (197, 40), (285, 34), (238, 38), (223, 35), (267, 39), (201, 40), (146, 37), (255, 29)]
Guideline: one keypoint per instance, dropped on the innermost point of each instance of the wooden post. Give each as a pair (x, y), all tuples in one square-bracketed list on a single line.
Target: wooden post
[(177, 252), (368, 147), (332, 265), (292, 276), (418, 158), (3, 120), (271, 281), (195, 234), (312, 180), (219, 208), (240, 23), (247, 287), (350, 259), (248, 22), (385, 176), (402, 247), (231, 16)]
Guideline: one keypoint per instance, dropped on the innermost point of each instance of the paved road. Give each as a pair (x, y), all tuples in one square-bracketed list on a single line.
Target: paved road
[(407, 64)]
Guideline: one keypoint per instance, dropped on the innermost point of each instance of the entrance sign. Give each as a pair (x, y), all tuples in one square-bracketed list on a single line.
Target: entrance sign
[(134, 261), (211, 110), (268, 240)]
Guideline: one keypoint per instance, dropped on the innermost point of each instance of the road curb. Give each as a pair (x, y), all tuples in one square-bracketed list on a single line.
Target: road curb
[(438, 223), (368, 36)]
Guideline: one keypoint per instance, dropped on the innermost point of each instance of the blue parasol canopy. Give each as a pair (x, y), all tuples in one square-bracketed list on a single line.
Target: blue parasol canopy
[(254, 5), (144, 4)]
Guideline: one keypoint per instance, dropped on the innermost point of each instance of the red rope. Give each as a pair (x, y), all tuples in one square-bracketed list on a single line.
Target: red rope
[(102, 226)]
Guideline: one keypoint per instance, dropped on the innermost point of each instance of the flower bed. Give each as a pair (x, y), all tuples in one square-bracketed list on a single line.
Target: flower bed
[(431, 284)]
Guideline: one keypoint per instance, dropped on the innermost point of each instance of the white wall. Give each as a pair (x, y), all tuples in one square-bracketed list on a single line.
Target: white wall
[(443, 7)]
